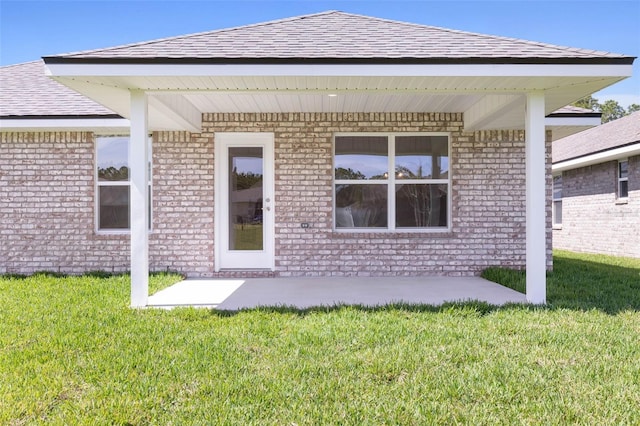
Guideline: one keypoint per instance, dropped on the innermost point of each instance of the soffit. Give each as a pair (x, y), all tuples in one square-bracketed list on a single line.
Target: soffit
[(187, 95)]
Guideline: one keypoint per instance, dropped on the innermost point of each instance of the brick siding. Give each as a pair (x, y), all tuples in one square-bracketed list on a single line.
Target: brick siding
[(594, 220), (47, 203)]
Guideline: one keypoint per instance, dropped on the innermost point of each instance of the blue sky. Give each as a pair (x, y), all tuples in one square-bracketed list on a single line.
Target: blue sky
[(31, 29)]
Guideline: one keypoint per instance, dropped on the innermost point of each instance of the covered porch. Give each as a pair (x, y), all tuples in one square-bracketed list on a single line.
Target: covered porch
[(306, 292), (491, 84)]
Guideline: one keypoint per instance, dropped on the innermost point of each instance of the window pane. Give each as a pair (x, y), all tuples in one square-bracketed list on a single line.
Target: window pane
[(361, 157), (361, 206), (557, 212), (114, 207), (624, 189), (557, 187), (246, 231), (421, 206), (422, 157), (113, 158), (623, 170)]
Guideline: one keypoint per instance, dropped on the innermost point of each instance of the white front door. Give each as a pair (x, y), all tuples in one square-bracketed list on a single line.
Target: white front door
[(244, 189)]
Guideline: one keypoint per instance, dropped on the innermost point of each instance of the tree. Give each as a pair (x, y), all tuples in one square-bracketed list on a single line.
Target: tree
[(633, 108), (611, 110), (589, 103)]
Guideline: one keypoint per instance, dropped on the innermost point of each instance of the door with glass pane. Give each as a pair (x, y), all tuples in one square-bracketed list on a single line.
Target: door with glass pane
[(244, 201)]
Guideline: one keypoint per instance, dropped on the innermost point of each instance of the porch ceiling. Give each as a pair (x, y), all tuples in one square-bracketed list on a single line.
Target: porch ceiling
[(492, 98)]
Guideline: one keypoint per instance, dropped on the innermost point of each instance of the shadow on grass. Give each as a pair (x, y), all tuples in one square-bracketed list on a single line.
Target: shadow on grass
[(471, 308)]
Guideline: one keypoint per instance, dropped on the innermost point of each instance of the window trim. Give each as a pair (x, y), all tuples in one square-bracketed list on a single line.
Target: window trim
[(620, 179), (554, 200), (98, 184), (391, 182)]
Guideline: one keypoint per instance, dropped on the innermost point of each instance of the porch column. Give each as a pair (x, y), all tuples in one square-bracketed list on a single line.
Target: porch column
[(139, 199), (536, 248)]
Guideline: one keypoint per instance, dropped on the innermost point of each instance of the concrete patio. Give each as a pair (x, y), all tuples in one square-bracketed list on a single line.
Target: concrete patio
[(235, 294)]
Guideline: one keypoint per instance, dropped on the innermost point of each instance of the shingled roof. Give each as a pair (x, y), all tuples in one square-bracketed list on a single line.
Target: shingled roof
[(27, 92), (341, 37), (614, 134)]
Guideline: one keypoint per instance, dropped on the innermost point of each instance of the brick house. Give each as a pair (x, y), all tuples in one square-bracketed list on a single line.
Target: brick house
[(596, 191), (327, 144)]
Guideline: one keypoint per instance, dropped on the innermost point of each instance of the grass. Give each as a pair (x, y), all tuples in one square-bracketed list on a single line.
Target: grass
[(583, 281), (72, 352)]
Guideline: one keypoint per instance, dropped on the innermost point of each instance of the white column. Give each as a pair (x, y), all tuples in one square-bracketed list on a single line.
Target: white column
[(139, 208), (536, 199)]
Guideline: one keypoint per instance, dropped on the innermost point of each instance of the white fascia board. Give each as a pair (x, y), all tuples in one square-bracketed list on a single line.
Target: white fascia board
[(61, 124), (573, 121), (600, 157), (384, 70)]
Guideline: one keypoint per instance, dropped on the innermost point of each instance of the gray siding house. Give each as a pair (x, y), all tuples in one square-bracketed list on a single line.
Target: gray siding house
[(330, 144), (596, 193)]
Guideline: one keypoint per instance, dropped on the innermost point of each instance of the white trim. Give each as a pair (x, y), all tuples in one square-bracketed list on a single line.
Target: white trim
[(117, 124), (572, 121), (381, 70), (600, 157), (622, 179), (139, 200), (179, 110), (390, 183), (127, 183), (487, 109), (555, 201), (225, 259), (536, 202)]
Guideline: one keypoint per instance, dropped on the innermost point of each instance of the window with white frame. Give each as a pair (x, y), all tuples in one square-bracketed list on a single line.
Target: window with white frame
[(623, 179), (113, 183), (391, 181), (557, 200)]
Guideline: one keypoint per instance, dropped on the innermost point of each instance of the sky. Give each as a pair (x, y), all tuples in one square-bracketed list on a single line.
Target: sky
[(32, 29)]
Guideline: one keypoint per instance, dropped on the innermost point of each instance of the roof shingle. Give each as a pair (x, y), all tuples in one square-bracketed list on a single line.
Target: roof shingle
[(614, 134), (339, 35), (25, 91)]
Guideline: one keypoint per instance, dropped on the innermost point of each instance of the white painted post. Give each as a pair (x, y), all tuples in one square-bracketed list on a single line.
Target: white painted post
[(536, 249), (139, 208)]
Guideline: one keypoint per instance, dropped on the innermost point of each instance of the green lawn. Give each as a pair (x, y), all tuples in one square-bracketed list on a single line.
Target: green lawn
[(72, 352)]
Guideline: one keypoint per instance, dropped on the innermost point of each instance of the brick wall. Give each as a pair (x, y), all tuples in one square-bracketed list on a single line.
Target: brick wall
[(593, 219), (182, 237), (488, 173), (47, 206), (47, 203)]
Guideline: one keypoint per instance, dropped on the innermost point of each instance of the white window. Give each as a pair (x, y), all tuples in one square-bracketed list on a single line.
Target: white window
[(392, 182), (113, 183), (557, 200), (623, 179)]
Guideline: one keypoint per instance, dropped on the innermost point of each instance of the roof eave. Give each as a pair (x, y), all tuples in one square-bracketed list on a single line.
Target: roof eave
[(610, 154), (624, 60), (95, 123)]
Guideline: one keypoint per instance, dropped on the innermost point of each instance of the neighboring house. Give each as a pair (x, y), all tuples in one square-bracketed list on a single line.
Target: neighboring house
[(382, 148), (596, 194)]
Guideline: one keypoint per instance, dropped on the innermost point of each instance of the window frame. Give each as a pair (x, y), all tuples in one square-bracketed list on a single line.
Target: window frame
[(620, 179), (555, 200), (391, 182), (127, 183)]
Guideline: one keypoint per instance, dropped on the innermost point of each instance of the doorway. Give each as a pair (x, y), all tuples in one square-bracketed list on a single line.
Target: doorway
[(244, 189)]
